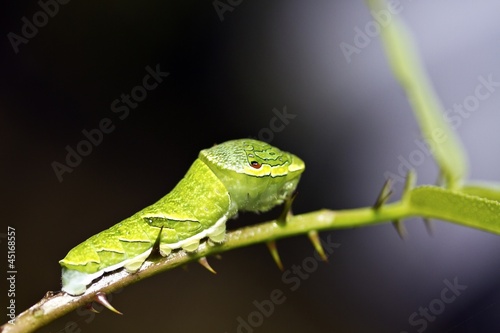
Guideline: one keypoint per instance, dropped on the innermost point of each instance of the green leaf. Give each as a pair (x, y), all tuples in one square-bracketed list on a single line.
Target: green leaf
[(488, 190), (455, 206), (409, 71)]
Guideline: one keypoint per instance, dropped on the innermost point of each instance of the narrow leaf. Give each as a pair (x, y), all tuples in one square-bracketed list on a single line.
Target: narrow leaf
[(464, 209), (409, 71), (488, 190)]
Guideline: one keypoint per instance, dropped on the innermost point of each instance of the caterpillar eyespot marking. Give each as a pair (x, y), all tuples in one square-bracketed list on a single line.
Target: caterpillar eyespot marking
[(255, 164), (237, 175)]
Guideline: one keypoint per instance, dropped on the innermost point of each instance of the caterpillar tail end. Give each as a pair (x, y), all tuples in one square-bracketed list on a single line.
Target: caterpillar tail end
[(75, 282)]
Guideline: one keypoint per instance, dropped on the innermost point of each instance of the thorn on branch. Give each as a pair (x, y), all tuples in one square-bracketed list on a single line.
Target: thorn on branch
[(101, 298), (90, 307), (429, 226), (271, 245), (400, 228), (411, 179), (384, 194), (204, 262), (314, 237), (287, 209)]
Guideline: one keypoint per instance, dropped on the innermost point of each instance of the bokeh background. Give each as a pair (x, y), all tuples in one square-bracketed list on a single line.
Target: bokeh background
[(228, 71)]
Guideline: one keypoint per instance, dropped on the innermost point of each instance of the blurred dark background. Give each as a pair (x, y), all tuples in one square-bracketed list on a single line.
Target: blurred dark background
[(348, 119)]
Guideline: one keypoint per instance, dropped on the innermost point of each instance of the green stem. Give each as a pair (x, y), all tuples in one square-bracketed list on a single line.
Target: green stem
[(409, 70), (52, 307), (425, 201)]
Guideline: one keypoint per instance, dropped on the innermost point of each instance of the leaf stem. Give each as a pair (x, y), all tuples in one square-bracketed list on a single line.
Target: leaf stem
[(53, 306), (424, 201)]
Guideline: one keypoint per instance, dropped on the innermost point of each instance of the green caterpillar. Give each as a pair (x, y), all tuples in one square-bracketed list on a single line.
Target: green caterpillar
[(238, 175)]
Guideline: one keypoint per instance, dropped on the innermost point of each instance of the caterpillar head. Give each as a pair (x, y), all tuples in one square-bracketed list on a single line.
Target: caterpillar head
[(257, 175)]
